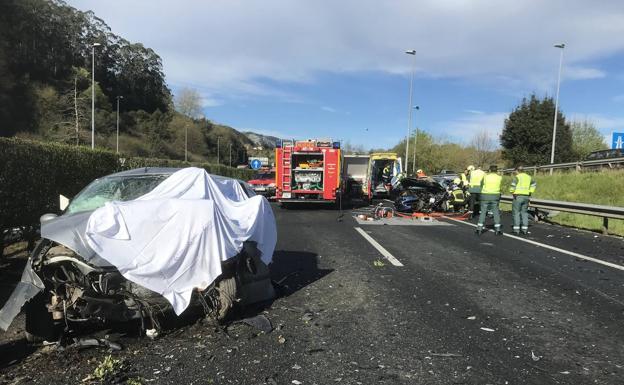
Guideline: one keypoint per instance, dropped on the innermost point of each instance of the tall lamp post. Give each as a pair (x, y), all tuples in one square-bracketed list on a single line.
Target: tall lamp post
[(218, 155), (409, 108), (415, 139), (552, 151), (186, 142), (118, 97), (93, 93)]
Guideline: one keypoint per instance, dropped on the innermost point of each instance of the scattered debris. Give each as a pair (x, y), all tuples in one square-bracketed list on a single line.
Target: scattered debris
[(534, 357), (296, 367), (472, 317), (90, 342), (379, 263), (307, 317), (281, 339), (487, 329), (260, 322), (565, 372), (296, 382), (151, 333)]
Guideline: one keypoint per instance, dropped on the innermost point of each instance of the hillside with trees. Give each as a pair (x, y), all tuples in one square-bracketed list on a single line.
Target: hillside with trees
[(46, 50)]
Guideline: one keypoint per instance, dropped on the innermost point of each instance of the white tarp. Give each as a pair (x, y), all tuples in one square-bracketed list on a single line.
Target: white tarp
[(173, 239)]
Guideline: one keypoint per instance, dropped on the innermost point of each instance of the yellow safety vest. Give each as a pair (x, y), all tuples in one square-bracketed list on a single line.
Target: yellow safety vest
[(475, 177), (491, 183), (463, 179), (522, 184)]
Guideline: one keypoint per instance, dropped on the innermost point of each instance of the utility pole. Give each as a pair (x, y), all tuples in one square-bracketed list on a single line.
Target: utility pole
[(552, 151), (186, 142), (409, 108), (415, 140), (93, 93), (118, 97)]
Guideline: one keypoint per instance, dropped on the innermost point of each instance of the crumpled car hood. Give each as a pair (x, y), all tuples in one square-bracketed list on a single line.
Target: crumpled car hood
[(69, 230)]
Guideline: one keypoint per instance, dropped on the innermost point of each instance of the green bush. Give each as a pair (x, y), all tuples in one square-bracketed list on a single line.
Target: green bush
[(33, 174)]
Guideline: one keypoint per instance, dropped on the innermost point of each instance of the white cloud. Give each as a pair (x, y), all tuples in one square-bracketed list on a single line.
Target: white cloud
[(328, 109), (235, 48), (464, 128), (619, 98)]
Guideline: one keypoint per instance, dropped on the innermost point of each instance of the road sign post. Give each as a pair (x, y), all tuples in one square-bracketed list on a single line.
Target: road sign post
[(618, 140), (256, 164)]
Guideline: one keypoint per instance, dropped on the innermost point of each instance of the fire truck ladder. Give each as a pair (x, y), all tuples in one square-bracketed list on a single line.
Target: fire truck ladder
[(287, 168)]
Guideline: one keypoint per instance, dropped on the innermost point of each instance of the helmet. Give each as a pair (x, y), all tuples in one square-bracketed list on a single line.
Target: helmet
[(419, 171), (470, 168), (457, 181)]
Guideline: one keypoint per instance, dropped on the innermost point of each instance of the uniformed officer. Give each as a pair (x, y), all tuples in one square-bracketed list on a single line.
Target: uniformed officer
[(522, 186), (490, 199), (474, 188)]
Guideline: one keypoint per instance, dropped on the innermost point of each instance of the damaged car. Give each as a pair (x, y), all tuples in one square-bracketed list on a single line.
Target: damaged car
[(424, 195), (139, 244)]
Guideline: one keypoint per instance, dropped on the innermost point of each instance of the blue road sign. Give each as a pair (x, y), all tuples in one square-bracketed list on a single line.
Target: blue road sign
[(618, 140), (256, 164)]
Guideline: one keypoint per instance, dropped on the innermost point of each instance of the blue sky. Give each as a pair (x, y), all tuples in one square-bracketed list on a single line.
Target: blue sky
[(337, 69)]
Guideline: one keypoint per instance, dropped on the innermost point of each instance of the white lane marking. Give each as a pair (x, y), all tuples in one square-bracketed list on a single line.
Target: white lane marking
[(572, 253), (379, 247)]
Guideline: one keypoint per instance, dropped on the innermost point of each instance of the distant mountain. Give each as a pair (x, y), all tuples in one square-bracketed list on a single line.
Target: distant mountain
[(259, 140)]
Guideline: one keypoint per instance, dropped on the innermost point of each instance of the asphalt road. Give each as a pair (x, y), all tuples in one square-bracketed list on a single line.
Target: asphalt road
[(462, 309)]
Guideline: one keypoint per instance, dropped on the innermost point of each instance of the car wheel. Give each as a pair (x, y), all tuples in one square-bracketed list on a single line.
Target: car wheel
[(39, 323)]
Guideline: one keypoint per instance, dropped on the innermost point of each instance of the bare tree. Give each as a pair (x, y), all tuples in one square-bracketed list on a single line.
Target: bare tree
[(484, 148), (188, 102)]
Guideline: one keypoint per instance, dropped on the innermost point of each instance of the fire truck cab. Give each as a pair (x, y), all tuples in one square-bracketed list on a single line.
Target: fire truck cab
[(307, 171)]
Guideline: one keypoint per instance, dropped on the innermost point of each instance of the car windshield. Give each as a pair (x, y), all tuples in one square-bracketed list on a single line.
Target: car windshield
[(265, 176), (120, 188)]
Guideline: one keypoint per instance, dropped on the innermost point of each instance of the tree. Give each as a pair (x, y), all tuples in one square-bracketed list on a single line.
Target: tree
[(527, 135), (586, 138), (484, 150), (188, 102)]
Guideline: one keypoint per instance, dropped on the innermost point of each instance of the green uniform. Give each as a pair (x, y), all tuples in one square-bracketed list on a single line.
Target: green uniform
[(521, 187), (490, 199)]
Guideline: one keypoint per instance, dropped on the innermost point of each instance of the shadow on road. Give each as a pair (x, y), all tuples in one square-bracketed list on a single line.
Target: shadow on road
[(294, 270)]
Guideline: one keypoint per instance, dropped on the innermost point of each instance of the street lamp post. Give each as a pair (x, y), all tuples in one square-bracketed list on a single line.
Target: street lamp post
[(218, 155), (118, 97), (415, 139), (230, 154), (552, 151), (93, 93), (409, 108), (186, 142)]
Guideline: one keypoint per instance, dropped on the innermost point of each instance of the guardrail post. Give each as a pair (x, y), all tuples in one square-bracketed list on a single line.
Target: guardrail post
[(578, 167), (605, 225)]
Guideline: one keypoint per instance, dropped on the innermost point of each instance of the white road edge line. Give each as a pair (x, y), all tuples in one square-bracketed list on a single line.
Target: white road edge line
[(572, 253), (379, 247)]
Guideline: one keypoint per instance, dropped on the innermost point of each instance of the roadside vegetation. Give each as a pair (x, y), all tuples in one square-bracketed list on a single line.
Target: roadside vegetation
[(602, 188)]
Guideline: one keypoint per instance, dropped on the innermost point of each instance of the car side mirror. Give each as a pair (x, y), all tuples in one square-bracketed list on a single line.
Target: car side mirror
[(63, 202)]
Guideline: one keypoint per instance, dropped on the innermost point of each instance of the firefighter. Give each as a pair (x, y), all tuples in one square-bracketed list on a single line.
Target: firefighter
[(386, 174), (457, 198), (522, 186), (474, 188), (490, 198), (420, 173)]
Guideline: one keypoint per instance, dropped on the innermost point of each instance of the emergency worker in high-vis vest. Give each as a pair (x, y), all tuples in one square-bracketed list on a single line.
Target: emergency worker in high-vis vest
[(490, 199), (522, 186), (474, 188)]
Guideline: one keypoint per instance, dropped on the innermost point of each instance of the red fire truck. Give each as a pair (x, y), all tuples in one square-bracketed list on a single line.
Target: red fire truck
[(307, 171)]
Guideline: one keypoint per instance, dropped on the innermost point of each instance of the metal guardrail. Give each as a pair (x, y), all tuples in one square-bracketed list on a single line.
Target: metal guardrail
[(605, 212), (577, 165)]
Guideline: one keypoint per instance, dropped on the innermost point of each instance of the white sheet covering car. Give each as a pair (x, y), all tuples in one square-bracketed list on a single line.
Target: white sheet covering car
[(174, 238)]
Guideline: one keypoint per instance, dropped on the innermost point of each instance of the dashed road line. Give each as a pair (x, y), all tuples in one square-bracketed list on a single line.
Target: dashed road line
[(563, 251), (379, 247)]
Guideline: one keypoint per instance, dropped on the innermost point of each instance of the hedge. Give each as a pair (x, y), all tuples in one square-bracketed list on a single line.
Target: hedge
[(33, 174)]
